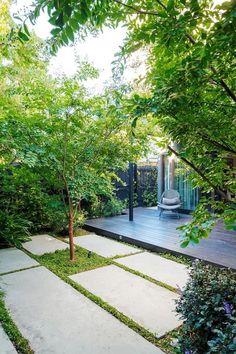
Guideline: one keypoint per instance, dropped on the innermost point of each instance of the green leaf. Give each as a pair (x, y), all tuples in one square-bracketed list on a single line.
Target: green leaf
[(162, 14), (55, 31), (170, 5), (64, 38), (70, 33), (184, 244), (60, 20), (74, 24), (134, 122), (194, 241), (26, 30), (23, 36)]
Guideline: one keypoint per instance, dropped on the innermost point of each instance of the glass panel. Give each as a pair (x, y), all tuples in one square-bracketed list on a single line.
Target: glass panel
[(189, 195)]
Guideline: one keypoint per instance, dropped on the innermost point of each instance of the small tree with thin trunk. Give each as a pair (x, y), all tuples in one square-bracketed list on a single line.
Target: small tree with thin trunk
[(85, 141)]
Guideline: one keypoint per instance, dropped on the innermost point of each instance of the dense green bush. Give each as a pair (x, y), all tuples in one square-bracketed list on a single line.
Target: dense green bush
[(112, 207), (14, 229), (29, 204), (105, 207), (149, 198), (208, 309), (26, 206)]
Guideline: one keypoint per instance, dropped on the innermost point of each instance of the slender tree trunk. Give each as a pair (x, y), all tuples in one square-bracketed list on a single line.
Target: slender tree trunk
[(71, 211), (71, 233)]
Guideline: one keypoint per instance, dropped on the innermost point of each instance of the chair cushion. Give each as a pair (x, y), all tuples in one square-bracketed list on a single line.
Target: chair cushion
[(169, 207), (170, 201)]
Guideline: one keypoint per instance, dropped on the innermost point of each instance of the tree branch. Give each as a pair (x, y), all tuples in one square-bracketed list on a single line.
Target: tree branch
[(224, 85), (161, 4), (217, 144), (227, 89), (199, 172), (190, 38)]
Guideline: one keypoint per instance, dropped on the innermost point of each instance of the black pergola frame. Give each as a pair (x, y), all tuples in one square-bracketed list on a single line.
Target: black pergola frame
[(131, 191)]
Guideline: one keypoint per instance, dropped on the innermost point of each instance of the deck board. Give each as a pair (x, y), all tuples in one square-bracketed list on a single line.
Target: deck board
[(149, 231)]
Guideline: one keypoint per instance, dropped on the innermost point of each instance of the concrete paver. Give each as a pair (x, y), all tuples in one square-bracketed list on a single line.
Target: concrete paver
[(41, 244), (6, 346), (157, 267), (12, 259), (57, 319), (149, 305), (104, 246)]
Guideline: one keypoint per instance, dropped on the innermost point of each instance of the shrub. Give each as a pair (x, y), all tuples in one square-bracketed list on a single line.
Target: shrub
[(149, 198), (106, 207), (27, 206), (208, 309), (14, 229)]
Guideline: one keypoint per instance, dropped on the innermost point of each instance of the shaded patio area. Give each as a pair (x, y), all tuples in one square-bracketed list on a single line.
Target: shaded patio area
[(160, 234)]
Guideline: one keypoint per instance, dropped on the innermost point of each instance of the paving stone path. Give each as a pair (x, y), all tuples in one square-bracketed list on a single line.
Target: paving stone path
[(12, 259), (57, 319), (149, 305), (6, 346), (41, 244), (104, 246), (157, 267)]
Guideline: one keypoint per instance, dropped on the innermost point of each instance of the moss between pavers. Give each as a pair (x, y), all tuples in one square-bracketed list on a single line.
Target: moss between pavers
[(126, 255), (179, 259), (19, 270), (59, 263), (20, 343), (144, 276), (85, 260)]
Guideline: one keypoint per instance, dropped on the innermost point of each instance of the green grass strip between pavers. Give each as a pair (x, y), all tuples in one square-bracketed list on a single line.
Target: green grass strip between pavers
[(152, 280)]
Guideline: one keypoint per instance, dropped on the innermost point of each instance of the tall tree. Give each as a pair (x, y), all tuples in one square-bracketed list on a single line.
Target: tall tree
[(190, 80)]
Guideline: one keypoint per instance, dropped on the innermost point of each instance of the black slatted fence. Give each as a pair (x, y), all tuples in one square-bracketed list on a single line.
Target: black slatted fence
[(145, 186)]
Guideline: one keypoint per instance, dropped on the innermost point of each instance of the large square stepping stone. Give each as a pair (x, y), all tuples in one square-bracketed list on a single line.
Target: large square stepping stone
[(157, 267), (57, 319), (6, 346), (103, 246), (12, 259), (151, 306), (41, 244)]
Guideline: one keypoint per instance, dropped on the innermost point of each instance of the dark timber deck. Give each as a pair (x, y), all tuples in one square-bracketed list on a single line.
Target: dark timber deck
[(150, 232)]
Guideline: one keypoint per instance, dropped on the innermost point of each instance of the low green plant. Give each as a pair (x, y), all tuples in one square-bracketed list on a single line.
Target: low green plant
[(106, 206), (149, 198), (27, 205), (112, 207), (179, 259), (84, 261), (135, 200), (14, 229), (208, 308)]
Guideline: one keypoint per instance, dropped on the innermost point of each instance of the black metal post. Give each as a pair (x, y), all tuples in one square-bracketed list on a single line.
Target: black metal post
[(135, 167), (131, 191)]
